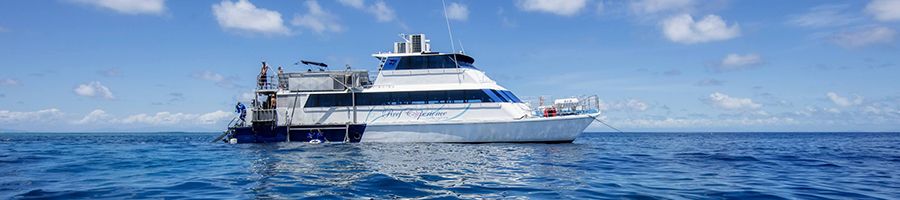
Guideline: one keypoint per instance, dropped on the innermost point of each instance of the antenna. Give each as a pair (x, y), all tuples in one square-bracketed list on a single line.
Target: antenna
[(463, 49), (450, 31)]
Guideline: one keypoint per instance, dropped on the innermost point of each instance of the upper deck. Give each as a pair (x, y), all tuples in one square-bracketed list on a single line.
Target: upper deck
[(408, 68), (314, 81), (415, 53), (425, 61)]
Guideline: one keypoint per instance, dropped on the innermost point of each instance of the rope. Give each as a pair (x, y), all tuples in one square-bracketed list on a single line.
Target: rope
[(607, 125), (452, 46), (449, 31)]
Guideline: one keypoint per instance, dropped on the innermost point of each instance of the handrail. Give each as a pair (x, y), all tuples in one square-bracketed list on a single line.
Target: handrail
[(232, 121), (227, 130), (586, 104), (270, 83), (263, 115)]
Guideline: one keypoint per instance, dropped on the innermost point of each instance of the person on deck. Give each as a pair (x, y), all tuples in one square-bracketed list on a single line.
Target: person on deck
[(281, 83), (242, 111), (263, 79)]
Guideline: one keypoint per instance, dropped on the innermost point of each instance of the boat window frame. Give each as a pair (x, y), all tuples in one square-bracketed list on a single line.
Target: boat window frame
[(408, 98), (416, 62)]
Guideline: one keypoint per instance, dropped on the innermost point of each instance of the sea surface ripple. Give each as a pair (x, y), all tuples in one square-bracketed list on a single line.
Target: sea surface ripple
[(596, 166)]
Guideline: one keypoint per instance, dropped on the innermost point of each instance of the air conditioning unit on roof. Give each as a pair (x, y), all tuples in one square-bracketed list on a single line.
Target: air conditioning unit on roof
[(415, 43)]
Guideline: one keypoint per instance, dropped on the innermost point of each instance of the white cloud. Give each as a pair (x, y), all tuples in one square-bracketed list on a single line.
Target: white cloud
[(317, 19), (94, 89), (7, 116), (844, 101), (244, 16), (864, 37), (133, 7), (564, 8), (504, 20), (99, 116), (670, 122), (724, 101), (626, 105), (734, 62), (94, 117), (55, 120), (246, 96), (823, 16), (358, 4), (457, 11), (209, 76), (883, 109), (218, 79), (683, 29), (379, 9), (869, 115), (213, 117), (382, 12), (657, 6), (638, 105), (884, 10), (168, 118), (9, 82)]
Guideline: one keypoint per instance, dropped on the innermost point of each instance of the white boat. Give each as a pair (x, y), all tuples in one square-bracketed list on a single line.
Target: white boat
[(417, 96)]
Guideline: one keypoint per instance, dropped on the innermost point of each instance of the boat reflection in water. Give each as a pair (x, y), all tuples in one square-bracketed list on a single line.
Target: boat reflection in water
[(411, 170)]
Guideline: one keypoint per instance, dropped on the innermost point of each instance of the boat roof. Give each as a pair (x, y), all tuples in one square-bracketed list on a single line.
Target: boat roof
[(459, 56)]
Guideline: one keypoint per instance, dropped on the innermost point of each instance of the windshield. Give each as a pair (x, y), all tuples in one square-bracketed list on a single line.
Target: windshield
[(425, 62)]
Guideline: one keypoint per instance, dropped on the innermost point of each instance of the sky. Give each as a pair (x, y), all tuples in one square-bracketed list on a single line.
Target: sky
[(657, 65)]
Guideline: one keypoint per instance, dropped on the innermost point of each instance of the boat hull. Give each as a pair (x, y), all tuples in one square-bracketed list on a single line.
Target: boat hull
[(541, 130), (563, 129), (323, 133)]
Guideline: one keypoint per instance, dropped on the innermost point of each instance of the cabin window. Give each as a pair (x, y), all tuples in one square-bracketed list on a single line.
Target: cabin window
[(412, 62), (423, 62), (500, 95), (410, 98), (417, 97), (477, 96), (437, 97), (362, 101), (456, 96), (511, 96)]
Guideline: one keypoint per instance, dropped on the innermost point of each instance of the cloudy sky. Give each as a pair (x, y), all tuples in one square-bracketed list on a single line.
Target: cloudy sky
[(657, 65)]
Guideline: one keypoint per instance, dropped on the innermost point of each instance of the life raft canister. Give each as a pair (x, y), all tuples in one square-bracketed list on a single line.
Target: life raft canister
[(549, 112)]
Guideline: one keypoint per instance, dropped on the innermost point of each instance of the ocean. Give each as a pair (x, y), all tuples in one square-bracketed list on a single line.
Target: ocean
[(595, 166)]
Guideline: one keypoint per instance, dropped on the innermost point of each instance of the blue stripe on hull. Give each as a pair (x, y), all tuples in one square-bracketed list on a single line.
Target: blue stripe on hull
[(268, 134)]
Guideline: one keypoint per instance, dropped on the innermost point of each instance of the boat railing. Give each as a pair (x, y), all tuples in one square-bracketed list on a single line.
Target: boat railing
[(263, 115), (586, 105), (324, 80), (549, 107), (282, 81), (270, 84)]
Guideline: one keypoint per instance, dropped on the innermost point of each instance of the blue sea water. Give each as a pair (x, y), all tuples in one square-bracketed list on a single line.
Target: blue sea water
[(597, 165)]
